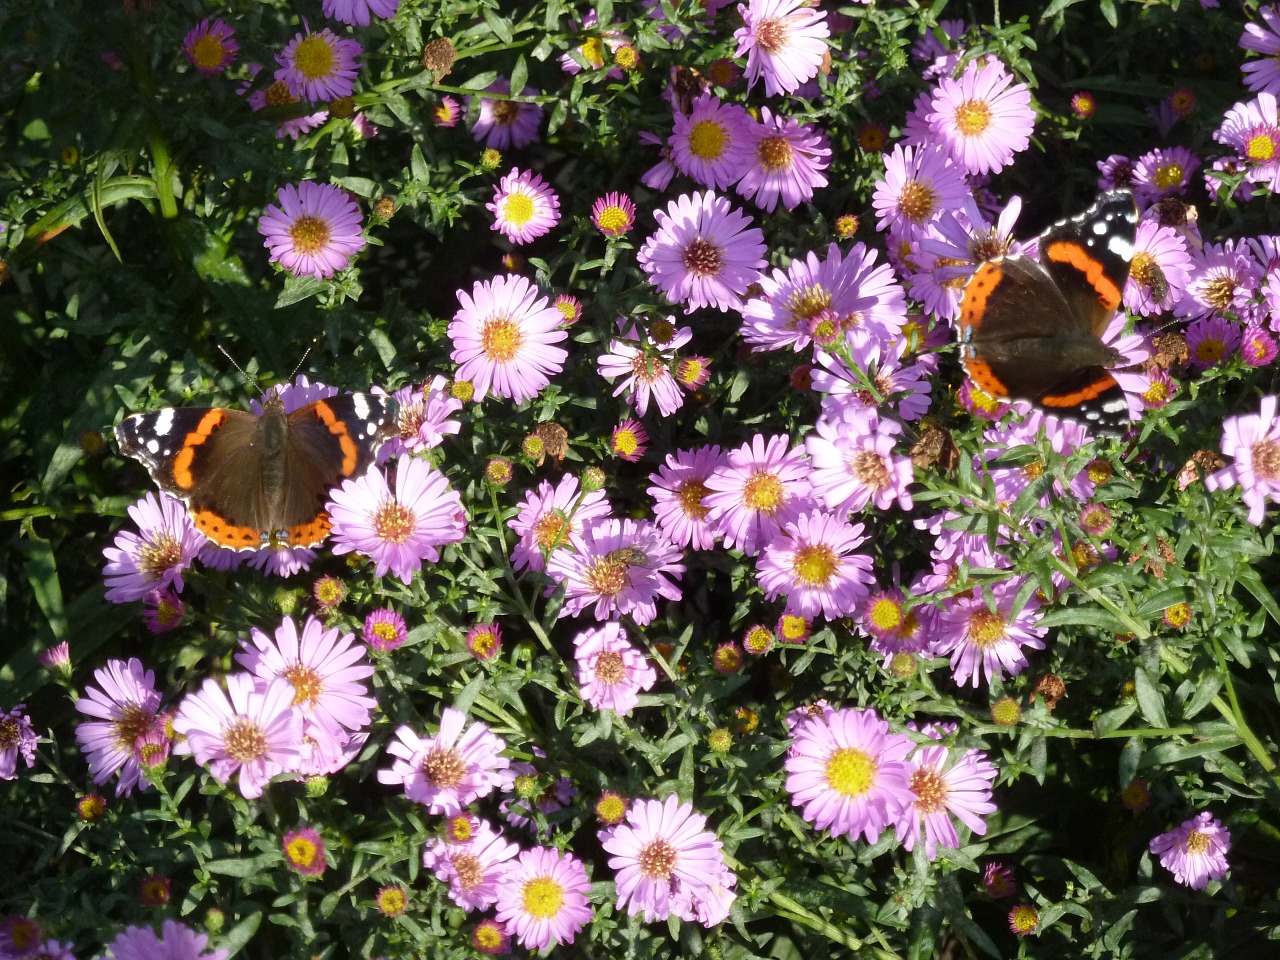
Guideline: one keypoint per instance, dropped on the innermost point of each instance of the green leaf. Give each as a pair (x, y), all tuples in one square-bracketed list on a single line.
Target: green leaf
[(1150, 700)]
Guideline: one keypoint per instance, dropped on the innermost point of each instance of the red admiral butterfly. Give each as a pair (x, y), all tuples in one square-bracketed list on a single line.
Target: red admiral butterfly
[(254, 481), (1033, 330)]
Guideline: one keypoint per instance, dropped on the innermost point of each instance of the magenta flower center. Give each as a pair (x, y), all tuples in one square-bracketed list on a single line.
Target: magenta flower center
[(763, 491), (518, 208), (1197, 842), (771, 35), (609, 668), (10, 734), (986, 628), (443, 768), (158, 555), (930, 790), (1265, 455), (917, 201), (606, 577), (308, 685), (703, 258), (469, 869), (246, 741), (657, 859), (314, 57), (775, 154), (394, 523), (973, 117), (542, 897), (132, 723), (851, 771), (690, 494), (500, 339), (707, 140), (814, 564), (310, 234)]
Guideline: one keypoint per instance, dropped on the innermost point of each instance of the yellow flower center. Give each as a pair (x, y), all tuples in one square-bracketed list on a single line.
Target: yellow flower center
[(314, 57), (930, 790), (764, 492), (885, 614), (1260, 148), (307, 684), (301, 852), (518, 208), (309, 234), (159, 555), (851, 772), (613, 219), (775, 154), (208, 52), (657, 859), (500, 340), (1197, 842), (592, 51), (973, 117), (609, 668), (1266, 459), (132, 723), (394, 523), (690, 494), (805, 304), (814, 565), (986, 628), (1169, 175), (542, 898), (245, 740), (918, 201), (443, 768)]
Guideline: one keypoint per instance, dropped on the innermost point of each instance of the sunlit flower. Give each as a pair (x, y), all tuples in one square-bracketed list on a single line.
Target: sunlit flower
[(315, 231)]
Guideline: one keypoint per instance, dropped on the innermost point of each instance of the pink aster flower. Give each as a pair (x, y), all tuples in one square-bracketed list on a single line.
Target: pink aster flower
[(397, 528), (1163, 172), (472, 868), (448, 771), (524, 207), (484, 640), (176, 941), (678, 490), (848, 773), (357, 12), (1253, 441), (611, 672), (303, 851), (424, 417), (210, 47), (853, 463), (506, 123), (503, 338), (315, 231), (614, 214), (247, 728), (1159, 270), (319, 65), (983, 118), (1224, 279), (784, 42), (1196, 851), (666, 860), (704, 253), (1211, 341), (920, 183), (642, 368), (447, 112), (542, 898), (787, 160), (988, 640), (125, 704), (950, 249), (1252, 129), (1263, 73), (326, 669), (712, 143), (760, 486), (620, 567), (17, 739), (813, 564), (550, 517), (998, 881), (943, 789), (1257, 347), (162, 610), (154, 557), (629, 440)]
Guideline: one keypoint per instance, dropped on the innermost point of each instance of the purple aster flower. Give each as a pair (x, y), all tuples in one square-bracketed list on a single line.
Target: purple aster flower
[(712, 144), (984, 636), (611, 672), (550, 517), (758, 488), (907, 385), (384, 630), (315, 231), (659, 176), (423, 418), (303, 851), (472, 869), (853, 464), (1253, 440), (504, 124), (848, 773), (784, 42), (503, 338), (620, 567), (56, 658), (789, 158), (357, 12), (1159, 270), (998, 881), (125, 704), (983, 118), (446, 772), (614, 214), (942, 789), (1211, 341), (177, 941), (1163, 172), (1224, 279), (812, 562), (319, 66), (256, 731), (1115, 173), (154, 557), (1257, 347), (1252, 129), (210, 47), (542, 898), (399, 528), (704, 253), (17, 739), (162, 610), (524, 207), (920, 183), (666, 862), (629, 440), (1196, 851), (644, 367), (678, 489), (1263, 73), (950, 249)]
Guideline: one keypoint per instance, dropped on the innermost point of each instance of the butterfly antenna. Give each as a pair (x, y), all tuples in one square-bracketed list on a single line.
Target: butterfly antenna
[(248, 377), (303, 359)]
